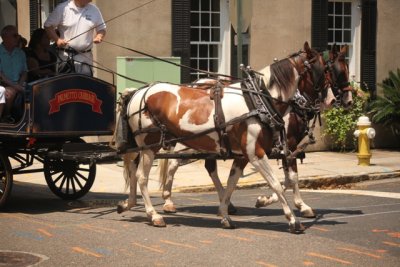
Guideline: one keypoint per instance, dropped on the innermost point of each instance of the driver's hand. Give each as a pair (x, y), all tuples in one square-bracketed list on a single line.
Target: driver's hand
[(61, 42)]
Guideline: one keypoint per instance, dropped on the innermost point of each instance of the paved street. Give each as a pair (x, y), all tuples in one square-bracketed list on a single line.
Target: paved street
[(357, 226)]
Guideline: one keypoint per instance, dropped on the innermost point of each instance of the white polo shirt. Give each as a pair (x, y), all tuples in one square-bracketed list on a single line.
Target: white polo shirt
[(72, 21)]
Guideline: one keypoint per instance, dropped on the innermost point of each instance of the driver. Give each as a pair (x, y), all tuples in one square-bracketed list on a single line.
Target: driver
[(80, 24)]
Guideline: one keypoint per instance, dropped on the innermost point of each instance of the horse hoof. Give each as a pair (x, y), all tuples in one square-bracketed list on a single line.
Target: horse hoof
[(308, 214), (227, 224), (159, 222), (297, 228), (169, 209), (121, 207), (261, 201), (231, 209)]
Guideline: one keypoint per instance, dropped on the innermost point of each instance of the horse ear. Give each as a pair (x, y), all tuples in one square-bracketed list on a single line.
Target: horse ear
[(331, 55), (334, 49), (343, 50), (307, 47), (333, 52)]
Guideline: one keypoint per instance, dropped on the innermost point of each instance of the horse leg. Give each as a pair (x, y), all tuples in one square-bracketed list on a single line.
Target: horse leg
[(172, 166), (212, 169), (131, 161), (291, 180), (263, 167), (146, 161), (236, 170)]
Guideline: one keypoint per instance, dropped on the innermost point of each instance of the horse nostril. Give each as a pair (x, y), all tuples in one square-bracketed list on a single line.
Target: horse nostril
[(347, 105), (333, 101)]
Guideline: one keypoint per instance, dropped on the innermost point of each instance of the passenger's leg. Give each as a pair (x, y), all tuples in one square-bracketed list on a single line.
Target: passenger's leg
[(10, 94)]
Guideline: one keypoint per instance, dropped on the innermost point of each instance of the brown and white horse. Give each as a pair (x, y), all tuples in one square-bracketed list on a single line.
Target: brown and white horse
[(180, 111), (296, 126)]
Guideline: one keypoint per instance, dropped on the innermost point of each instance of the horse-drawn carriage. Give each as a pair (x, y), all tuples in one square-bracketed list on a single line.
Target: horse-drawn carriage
[(55, 114), (238, 120)]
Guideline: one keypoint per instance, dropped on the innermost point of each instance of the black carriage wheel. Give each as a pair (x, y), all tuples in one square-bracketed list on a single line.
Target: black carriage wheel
[(69, 179), (6, 179)]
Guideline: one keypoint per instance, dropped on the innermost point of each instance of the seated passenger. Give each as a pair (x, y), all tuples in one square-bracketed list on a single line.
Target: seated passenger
[(41, 62), (13, 70), (23, 44)]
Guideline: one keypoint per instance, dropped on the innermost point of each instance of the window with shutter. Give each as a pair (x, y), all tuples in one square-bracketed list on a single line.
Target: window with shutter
[(339, 22), (201, 36), (204, 36), (339, 25)]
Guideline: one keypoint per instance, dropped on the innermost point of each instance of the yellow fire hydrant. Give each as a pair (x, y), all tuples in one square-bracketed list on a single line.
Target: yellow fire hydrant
[(364, 134)]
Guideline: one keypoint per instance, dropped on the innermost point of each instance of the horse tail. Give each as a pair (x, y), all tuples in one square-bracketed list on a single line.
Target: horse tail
[(163, 171), (131, 161)]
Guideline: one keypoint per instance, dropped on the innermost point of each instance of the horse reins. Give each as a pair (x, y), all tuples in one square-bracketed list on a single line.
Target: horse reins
[(113, 18)]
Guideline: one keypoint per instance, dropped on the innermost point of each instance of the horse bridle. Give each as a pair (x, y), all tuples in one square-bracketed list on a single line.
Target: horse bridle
[(319, 86), (338, 86)]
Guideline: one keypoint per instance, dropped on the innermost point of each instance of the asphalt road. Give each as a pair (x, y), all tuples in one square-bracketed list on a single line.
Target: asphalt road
[(357, 226)]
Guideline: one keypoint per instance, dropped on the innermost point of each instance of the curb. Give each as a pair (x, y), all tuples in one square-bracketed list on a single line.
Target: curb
[(317, 182), (332, 182)]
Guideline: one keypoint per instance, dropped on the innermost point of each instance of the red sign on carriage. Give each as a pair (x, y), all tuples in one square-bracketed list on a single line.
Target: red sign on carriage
[(75, 96)]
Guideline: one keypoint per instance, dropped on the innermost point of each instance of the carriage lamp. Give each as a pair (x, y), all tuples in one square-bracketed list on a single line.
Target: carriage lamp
[(364, 133)]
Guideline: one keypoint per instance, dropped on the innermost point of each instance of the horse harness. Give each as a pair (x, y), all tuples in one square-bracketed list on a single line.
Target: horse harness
[(258, 100)]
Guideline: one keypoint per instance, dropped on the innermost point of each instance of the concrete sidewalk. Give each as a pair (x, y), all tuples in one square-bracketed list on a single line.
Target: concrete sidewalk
[(319, 169)]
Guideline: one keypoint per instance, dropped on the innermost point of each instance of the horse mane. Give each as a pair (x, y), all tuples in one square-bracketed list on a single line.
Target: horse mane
[(282, 75)]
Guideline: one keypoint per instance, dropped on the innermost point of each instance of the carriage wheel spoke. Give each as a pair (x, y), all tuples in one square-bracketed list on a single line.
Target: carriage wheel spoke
[(73, 184), (53, 172), (67, 185), (78, 182), (83, 169), (81, 176), (62, 182), (58, 178)]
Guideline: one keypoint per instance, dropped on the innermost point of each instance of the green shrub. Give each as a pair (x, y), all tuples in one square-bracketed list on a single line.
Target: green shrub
[(386, 108), (341, 123)]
